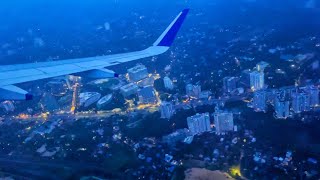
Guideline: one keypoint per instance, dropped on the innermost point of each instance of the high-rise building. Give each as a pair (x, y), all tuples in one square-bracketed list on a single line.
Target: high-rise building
[(166, 109), (199, 123), (261, 66), (314, 96), (300, 102), (189, 89), (281, 108), (256, 80), (137, 73), (193, 90), (259, 102), (245, 78), (168, 84), (271, 95), (129, 89), (147, 95), (196, 90), (229, 84), (223, 122), (296, 102)]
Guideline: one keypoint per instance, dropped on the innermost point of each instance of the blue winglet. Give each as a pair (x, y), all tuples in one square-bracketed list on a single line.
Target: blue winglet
[(168, 36)]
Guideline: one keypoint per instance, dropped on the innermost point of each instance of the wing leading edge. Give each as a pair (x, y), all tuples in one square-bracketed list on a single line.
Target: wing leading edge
[(14, 74)]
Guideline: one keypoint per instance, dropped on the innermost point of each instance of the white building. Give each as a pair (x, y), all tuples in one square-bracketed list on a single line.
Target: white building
[(168, 84), (196, 90), (193, 90), (189, 89), (199, 123), (229, 84), (223, 122), (300, 102), (149, 81), (260, 101), (137, 73), (262, 65), (281, 108), (129, 89), (256, 80), (166, 109), (147, 95), (314, 96), (88, 98)]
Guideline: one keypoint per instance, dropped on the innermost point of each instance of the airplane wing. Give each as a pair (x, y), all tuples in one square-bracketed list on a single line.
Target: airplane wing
[(94, 66)]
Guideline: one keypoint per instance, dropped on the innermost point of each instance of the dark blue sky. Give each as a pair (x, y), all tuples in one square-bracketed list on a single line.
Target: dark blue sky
[(62, 25)]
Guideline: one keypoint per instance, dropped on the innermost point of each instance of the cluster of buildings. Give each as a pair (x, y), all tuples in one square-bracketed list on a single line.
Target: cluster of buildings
[(193, 93), (138, 84), (249, 79), (199, 123), (141, 84), (223, 122), (286, 101), (193, 90)]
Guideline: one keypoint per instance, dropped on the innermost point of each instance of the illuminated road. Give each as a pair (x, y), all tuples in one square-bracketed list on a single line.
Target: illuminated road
[(81, 115)]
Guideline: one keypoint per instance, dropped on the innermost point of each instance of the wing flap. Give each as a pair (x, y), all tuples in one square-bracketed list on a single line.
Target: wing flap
[(14, 93), (92, 64), (20, 73), (60, 68)]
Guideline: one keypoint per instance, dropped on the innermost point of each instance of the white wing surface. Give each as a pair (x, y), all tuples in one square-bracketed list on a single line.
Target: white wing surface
[(19, 73)]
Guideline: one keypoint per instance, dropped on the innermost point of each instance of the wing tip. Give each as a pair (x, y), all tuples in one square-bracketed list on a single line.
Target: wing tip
[(168, 36), (186, 10)]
